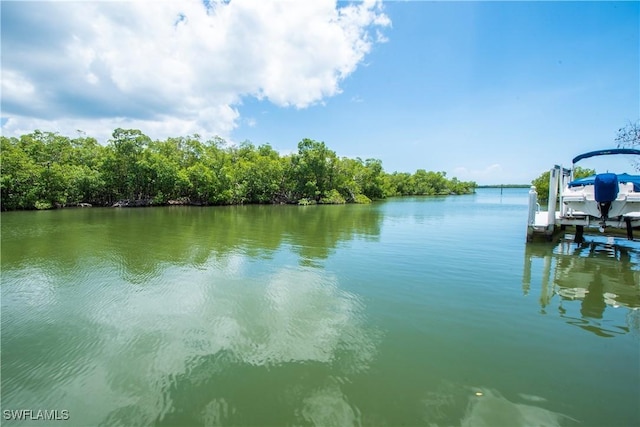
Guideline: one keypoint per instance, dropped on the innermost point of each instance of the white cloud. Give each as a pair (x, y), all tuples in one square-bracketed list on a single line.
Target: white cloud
[(170, 67), (14, 84)]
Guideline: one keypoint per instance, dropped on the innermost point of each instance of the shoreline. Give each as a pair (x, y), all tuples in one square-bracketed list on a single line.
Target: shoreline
[(149, 203)]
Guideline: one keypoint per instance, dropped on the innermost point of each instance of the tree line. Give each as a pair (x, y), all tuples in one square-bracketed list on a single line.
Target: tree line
[(42, 170)]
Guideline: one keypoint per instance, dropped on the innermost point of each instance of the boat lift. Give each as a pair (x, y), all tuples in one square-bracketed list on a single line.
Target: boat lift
[(546, 223)]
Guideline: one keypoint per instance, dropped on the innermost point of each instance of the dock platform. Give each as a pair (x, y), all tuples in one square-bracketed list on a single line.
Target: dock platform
[(543, 227)]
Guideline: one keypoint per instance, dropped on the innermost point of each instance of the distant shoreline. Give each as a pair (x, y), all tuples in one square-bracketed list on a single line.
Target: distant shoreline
[(504, 186), (149, 203)]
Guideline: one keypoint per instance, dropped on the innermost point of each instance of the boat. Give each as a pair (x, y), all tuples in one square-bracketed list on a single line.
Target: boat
[(602, 200), (602, 196)]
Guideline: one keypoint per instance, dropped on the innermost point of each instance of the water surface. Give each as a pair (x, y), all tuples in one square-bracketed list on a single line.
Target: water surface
[(413, 311)]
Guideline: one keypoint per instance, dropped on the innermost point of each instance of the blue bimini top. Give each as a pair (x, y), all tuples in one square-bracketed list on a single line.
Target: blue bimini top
[(622, 178), (605, 153)]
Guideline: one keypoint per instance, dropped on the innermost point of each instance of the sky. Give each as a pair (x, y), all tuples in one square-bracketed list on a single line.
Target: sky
[(494, 92)]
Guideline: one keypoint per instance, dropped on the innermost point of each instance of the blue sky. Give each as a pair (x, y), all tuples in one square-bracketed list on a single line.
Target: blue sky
[(495, 92)]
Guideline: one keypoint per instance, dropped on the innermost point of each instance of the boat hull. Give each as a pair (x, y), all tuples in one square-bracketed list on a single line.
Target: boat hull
[(581, 201)]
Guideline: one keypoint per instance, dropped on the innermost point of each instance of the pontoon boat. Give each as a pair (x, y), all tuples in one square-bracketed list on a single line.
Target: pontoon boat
[(605, 196)]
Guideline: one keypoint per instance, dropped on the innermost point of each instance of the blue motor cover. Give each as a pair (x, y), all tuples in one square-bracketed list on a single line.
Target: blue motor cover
[(606, 187)]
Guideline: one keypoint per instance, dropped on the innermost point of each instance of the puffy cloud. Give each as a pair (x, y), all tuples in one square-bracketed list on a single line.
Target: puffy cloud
[(174, 67)]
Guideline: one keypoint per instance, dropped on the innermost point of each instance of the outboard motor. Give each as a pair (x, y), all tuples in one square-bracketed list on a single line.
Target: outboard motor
[(606, 191)]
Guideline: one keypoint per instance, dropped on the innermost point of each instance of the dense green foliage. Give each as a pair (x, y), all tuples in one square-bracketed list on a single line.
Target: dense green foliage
[(505, 186), (542, 182), (43, 170)]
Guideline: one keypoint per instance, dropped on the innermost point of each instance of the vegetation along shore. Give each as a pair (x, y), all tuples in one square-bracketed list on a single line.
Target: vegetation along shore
[(44, 170)]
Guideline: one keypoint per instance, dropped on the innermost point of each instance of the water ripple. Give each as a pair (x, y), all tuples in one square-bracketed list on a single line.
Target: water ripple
[(131, 342)]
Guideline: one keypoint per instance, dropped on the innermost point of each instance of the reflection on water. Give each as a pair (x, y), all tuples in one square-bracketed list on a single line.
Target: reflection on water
[(191, 333), (172, 315), (328, 406), (486, 407), (602, 274), (140, 241), (323, 315)]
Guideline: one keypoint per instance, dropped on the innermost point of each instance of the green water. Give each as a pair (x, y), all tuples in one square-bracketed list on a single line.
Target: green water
[(416, 311)]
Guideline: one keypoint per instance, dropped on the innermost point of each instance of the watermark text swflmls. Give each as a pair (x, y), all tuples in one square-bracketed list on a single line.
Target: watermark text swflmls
[(35, 415)]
